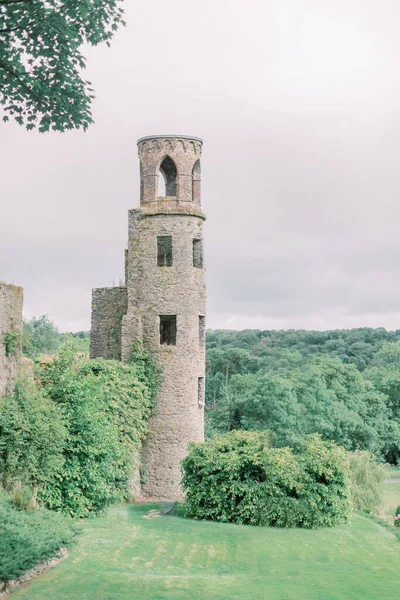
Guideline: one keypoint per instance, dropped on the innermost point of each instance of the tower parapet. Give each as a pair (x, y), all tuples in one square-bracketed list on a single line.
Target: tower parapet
[(175, 159)]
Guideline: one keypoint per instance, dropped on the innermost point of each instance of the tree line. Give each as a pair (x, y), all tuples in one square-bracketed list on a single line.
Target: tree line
[(342, 384)]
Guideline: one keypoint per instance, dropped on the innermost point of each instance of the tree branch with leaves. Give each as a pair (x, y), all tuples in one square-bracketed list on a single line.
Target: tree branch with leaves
[(41, 62)]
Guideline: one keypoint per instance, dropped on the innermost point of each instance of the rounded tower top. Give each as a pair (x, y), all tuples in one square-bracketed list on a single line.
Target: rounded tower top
[(170, 169), (166, 137)]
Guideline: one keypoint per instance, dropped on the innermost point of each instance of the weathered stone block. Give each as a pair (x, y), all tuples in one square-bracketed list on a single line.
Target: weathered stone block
[(11, 302), (109, 305)]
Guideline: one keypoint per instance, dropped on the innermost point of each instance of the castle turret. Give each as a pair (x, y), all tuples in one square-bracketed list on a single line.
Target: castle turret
[(166, 301)]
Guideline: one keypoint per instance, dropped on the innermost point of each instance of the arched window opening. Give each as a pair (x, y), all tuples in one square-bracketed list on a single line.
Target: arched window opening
[(167, 178), (196, 179)]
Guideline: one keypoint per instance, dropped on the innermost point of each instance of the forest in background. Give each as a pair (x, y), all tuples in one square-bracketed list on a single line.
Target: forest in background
[(343, 384)]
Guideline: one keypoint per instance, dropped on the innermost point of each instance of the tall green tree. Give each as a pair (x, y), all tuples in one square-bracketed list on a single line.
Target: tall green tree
[(385, 374), (41, 336), (324, 396), (41, 60)]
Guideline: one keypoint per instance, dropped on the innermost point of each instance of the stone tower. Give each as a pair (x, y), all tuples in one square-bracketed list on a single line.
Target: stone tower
[(163, 303)]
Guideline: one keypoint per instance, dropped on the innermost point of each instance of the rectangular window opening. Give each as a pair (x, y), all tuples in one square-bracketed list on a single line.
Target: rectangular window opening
[(200, 392), (164, 251), (198, 254), (202, 330), (168, 330)]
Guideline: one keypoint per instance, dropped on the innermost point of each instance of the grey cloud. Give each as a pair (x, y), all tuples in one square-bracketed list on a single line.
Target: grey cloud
[(298, 104)]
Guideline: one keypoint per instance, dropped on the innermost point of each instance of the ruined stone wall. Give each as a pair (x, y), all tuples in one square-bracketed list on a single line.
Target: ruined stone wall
[(108, 307), (11, 303)]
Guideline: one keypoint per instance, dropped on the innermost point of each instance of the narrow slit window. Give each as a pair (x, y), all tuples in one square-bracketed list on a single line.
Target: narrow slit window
[(198, 254), (196, 177), (200, 392), (202, 330), (164, 251), (168, 330)]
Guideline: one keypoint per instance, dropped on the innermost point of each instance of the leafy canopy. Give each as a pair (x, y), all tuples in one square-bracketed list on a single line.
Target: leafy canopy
[(41, 336), (324, 396), (41, 84)]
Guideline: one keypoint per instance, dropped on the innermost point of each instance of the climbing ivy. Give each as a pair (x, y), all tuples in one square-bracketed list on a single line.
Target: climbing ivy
[(13, 341), (106, 405)]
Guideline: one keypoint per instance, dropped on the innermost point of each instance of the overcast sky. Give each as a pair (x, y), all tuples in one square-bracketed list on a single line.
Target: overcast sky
[(298, 103)]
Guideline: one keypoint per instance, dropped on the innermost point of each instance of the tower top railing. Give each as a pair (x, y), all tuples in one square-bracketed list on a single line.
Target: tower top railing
[(166, 136)]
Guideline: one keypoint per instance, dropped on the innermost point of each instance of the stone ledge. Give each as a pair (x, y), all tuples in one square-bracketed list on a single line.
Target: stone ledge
[(154, 210), (6, 587)]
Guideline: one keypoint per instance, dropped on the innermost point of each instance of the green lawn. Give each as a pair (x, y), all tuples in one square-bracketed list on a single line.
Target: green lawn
[(391, 501), (392, 472), (123, 556)]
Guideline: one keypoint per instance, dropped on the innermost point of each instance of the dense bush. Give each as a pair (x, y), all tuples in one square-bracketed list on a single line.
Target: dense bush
[(367, 479), (32, 437), (29, 537), (105, 405), (238, 477)]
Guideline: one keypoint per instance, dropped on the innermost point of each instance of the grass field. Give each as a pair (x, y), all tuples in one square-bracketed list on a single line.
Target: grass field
[(392, 472), (390, 502), (124, 556)]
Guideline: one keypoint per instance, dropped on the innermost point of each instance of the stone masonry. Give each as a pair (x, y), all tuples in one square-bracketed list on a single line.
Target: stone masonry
[(11, 301), (108, 307), (166, 303)]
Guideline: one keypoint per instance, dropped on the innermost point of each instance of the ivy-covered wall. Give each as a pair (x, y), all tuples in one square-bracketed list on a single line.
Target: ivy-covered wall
[(11, 302), (109, 305)]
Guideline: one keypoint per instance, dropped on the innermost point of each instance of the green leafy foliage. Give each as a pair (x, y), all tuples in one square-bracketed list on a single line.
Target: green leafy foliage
[(41, 61), (323, 396), (41, 336), (352, 346), (32, 437), (238, 477), (367, 480), (106, 405), (13, 342), (29, 537)]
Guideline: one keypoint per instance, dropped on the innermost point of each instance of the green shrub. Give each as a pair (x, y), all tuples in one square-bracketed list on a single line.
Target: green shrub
[(238, 477), (22, 498), (32, 436), (367, 479), (29, 537), (398, 510), (106, 405)]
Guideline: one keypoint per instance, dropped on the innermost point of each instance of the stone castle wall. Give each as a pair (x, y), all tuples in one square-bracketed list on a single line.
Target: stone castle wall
[(108, 307), (11, 303)]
